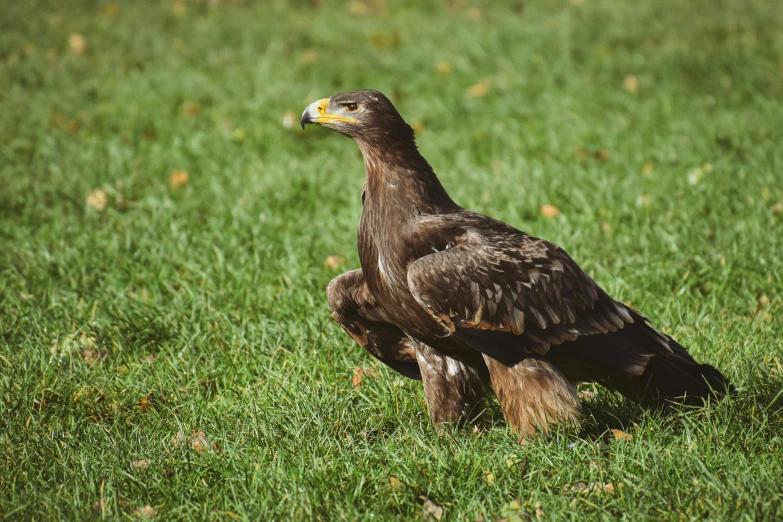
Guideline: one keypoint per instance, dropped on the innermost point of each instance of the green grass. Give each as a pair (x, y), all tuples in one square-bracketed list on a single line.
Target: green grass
[(208, 300)]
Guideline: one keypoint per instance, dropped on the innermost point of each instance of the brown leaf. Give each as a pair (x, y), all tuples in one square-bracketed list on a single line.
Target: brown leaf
[(334, 261), (479, 89), (99, 507), (146, 511), (621, 435), (77, 44), (178, 179), (394, 482), (199, 441), (143, 463), (431, 509), (443, 68), (549, 211), (631, 83), (111, 10), (97, 199), (190, 108), (93, 355), (144, 405)]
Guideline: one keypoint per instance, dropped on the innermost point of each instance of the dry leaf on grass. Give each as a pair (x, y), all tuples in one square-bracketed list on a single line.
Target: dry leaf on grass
[(334, 261), (360, 373), (190, 108), (431, 509), (308, 56), (443, 68), (178, 179), (394, 482), (143, 463), (479, 89), (77, 44), (93, 355), (581, 488), (631, 83), (549, 211), (97, 199), (146, 511), (198, 441), (99, 507), (621, 435)]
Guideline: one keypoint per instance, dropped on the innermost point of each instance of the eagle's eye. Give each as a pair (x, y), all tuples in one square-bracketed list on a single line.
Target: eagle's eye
[(352, 107)]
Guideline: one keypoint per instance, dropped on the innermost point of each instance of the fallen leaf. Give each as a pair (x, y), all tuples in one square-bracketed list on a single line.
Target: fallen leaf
[(631, 84), (144, 405), (549, 211), (417, 126), (178, 179), (199, 441), (111, 10), (289, 120), (146, 511), (77, 43), (394, 482), (97, 199), (143, 463), (621, 435), (99, 507), (443, 68), (358, 375), (479, 89), (93, 355), (431, 509), (190, 108), (334, 261), (539, 513), (647, 168)]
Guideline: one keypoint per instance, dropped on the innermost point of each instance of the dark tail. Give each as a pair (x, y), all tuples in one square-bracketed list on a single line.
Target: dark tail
[(677, 378), (632, 362)]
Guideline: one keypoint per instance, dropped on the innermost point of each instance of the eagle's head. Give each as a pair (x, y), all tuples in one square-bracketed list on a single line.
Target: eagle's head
[(366, 116)]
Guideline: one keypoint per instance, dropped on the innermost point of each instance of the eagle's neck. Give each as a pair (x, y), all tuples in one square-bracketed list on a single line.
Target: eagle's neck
[(400, 183)]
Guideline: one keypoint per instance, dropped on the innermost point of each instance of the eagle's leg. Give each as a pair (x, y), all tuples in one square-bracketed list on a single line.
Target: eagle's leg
[(356, 311), (453, 384), (533, 395)]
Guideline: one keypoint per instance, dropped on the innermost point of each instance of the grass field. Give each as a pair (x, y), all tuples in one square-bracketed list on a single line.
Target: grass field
[(166, 348)]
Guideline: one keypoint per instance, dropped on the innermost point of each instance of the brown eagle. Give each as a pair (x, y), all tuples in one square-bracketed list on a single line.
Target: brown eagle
[(459, 300)]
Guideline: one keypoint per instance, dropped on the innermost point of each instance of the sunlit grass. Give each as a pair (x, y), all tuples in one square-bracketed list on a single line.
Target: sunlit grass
[(655, 129)]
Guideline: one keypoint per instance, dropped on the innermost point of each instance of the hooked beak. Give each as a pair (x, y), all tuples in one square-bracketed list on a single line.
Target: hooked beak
[(316, 113)]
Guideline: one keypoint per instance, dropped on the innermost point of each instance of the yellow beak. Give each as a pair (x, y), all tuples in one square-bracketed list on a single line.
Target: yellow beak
[(316, 113)]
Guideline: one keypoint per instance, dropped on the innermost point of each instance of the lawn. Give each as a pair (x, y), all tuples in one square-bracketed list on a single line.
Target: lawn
[(166, 348)]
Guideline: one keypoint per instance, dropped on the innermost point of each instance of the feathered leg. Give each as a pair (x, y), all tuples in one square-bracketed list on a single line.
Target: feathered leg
[(453, 384), (355, 309), (533, 395)]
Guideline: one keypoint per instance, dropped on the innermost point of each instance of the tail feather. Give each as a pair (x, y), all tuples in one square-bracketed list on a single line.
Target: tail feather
[(628, 361)]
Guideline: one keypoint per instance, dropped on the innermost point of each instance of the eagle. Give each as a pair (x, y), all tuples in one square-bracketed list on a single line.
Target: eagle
[(466, 303)]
